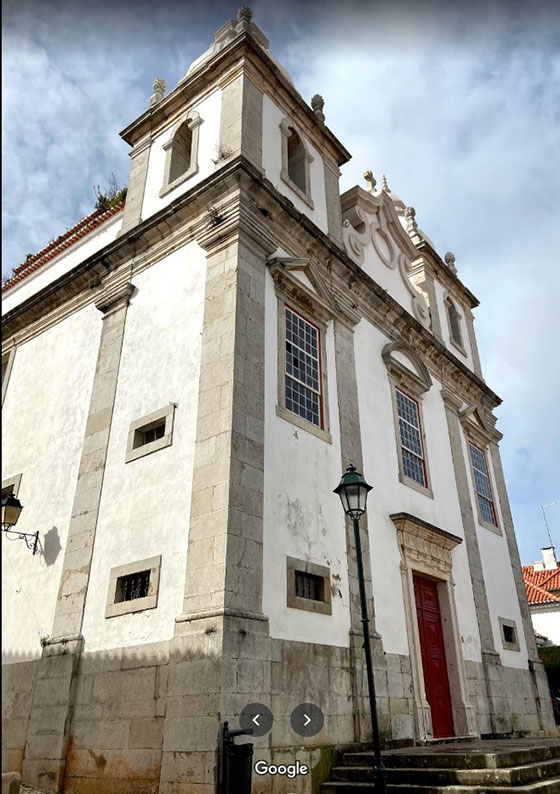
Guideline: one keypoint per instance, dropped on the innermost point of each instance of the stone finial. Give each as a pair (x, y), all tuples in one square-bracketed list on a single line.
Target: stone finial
[(244, 15), (370, 179), (410, 215), (159, 87), (317, 105), (449, 260), (384, 185)]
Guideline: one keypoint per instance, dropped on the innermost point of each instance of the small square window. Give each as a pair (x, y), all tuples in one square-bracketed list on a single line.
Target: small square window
[(309, 586), (150, 433), (146, 435), (510, 640), (133, 587)]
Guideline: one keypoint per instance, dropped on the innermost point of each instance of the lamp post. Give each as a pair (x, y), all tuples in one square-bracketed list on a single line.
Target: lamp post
[(353, 491), (11, 509)]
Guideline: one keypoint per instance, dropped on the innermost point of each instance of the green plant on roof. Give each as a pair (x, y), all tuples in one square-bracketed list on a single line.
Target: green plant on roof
[(110, 196)]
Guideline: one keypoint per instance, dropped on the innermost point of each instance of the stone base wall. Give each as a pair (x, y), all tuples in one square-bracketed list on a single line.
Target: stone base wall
[(509, 701), (17, 689), (153, 714)]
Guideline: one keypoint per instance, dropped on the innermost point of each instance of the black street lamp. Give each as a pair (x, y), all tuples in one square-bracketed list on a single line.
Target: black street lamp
[(11, 509), (353, 491)]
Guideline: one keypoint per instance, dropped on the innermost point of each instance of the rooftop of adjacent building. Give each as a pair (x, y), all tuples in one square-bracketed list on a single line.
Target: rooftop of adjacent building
[(542, 578)]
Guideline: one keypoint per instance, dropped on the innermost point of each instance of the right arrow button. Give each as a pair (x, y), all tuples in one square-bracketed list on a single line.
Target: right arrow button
[(307, 719)]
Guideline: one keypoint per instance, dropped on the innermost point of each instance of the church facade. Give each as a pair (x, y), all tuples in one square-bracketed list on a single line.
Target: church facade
[(185, 377)]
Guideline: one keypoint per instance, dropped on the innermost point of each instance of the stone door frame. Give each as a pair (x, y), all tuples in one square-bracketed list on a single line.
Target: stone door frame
[(427, 551)]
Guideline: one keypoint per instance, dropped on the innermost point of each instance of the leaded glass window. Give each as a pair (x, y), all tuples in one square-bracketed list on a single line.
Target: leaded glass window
[(412, 451), (303, 392), (482, 485)]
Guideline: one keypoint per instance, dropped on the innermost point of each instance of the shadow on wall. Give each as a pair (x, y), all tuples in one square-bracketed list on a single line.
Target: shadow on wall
[(51, 546)]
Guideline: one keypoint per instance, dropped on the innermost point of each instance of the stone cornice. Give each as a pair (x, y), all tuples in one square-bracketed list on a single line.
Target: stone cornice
[(265, 214), (423, 529), (213, 73)]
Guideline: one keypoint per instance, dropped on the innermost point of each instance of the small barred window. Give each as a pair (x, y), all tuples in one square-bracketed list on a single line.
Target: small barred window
[(412, 451), (303, 368), (309, 586), (135, 585), (482, 485)]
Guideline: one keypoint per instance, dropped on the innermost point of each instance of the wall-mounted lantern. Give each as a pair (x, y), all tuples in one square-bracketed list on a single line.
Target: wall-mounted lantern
[(11, 509)]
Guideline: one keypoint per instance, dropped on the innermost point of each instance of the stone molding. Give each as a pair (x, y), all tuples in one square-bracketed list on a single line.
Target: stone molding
[(8, 355), (418, 383), (323, 607), (427, 549), (114, 298), (286, 127), (374, 213), (192, 119), (115, 608)]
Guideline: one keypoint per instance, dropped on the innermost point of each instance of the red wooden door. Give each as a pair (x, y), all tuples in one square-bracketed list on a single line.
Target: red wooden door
[(433, 656)]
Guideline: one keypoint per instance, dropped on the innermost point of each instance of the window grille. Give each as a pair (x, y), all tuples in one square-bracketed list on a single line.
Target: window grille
[(412, 450), (482, 485), (303, 368), (134, 585), (309, 586), (153, 434)]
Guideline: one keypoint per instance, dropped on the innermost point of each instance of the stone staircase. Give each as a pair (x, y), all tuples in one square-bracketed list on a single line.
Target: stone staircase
[(478, 768)]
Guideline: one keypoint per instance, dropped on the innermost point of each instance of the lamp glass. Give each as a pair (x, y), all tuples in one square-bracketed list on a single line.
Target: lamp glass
[(11, 508)]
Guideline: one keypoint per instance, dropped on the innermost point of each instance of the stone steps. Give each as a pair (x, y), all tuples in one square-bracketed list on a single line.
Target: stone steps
[(541, 787), (504, 776), (485, 769), (459, 759)]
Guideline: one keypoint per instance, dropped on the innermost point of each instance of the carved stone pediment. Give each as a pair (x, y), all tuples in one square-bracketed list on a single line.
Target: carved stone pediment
[(370, 221), (301, 278), (422, 542)]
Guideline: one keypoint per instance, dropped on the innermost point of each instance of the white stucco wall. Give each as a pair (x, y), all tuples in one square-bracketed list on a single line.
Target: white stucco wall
[(272, 165), (145, 504), (391, 496), (44, 418), (63, 263), (209, 110), (466, 359), (546, 621), (302, 517)]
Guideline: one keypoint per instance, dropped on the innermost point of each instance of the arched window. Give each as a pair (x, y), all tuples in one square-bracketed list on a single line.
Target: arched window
[(454, 323), (182, 153), (296, 160)]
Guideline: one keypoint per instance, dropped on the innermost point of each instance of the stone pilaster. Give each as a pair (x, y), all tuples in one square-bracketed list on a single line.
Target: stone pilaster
[(139, 158), (536, 668), (81, 532), (332, 195), (54, 689), (490, 657), (221, 645), (241, 120), (469, 319), (351, 452)]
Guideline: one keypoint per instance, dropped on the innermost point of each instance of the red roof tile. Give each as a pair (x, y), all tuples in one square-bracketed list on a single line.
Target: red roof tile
[(539, 583), (62, 243)]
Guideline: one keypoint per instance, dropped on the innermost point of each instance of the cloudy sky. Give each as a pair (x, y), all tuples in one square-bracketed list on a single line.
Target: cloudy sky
[(459, 107)]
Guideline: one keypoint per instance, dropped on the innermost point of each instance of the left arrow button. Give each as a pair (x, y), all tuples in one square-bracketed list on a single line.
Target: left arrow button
[(256, 718)]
